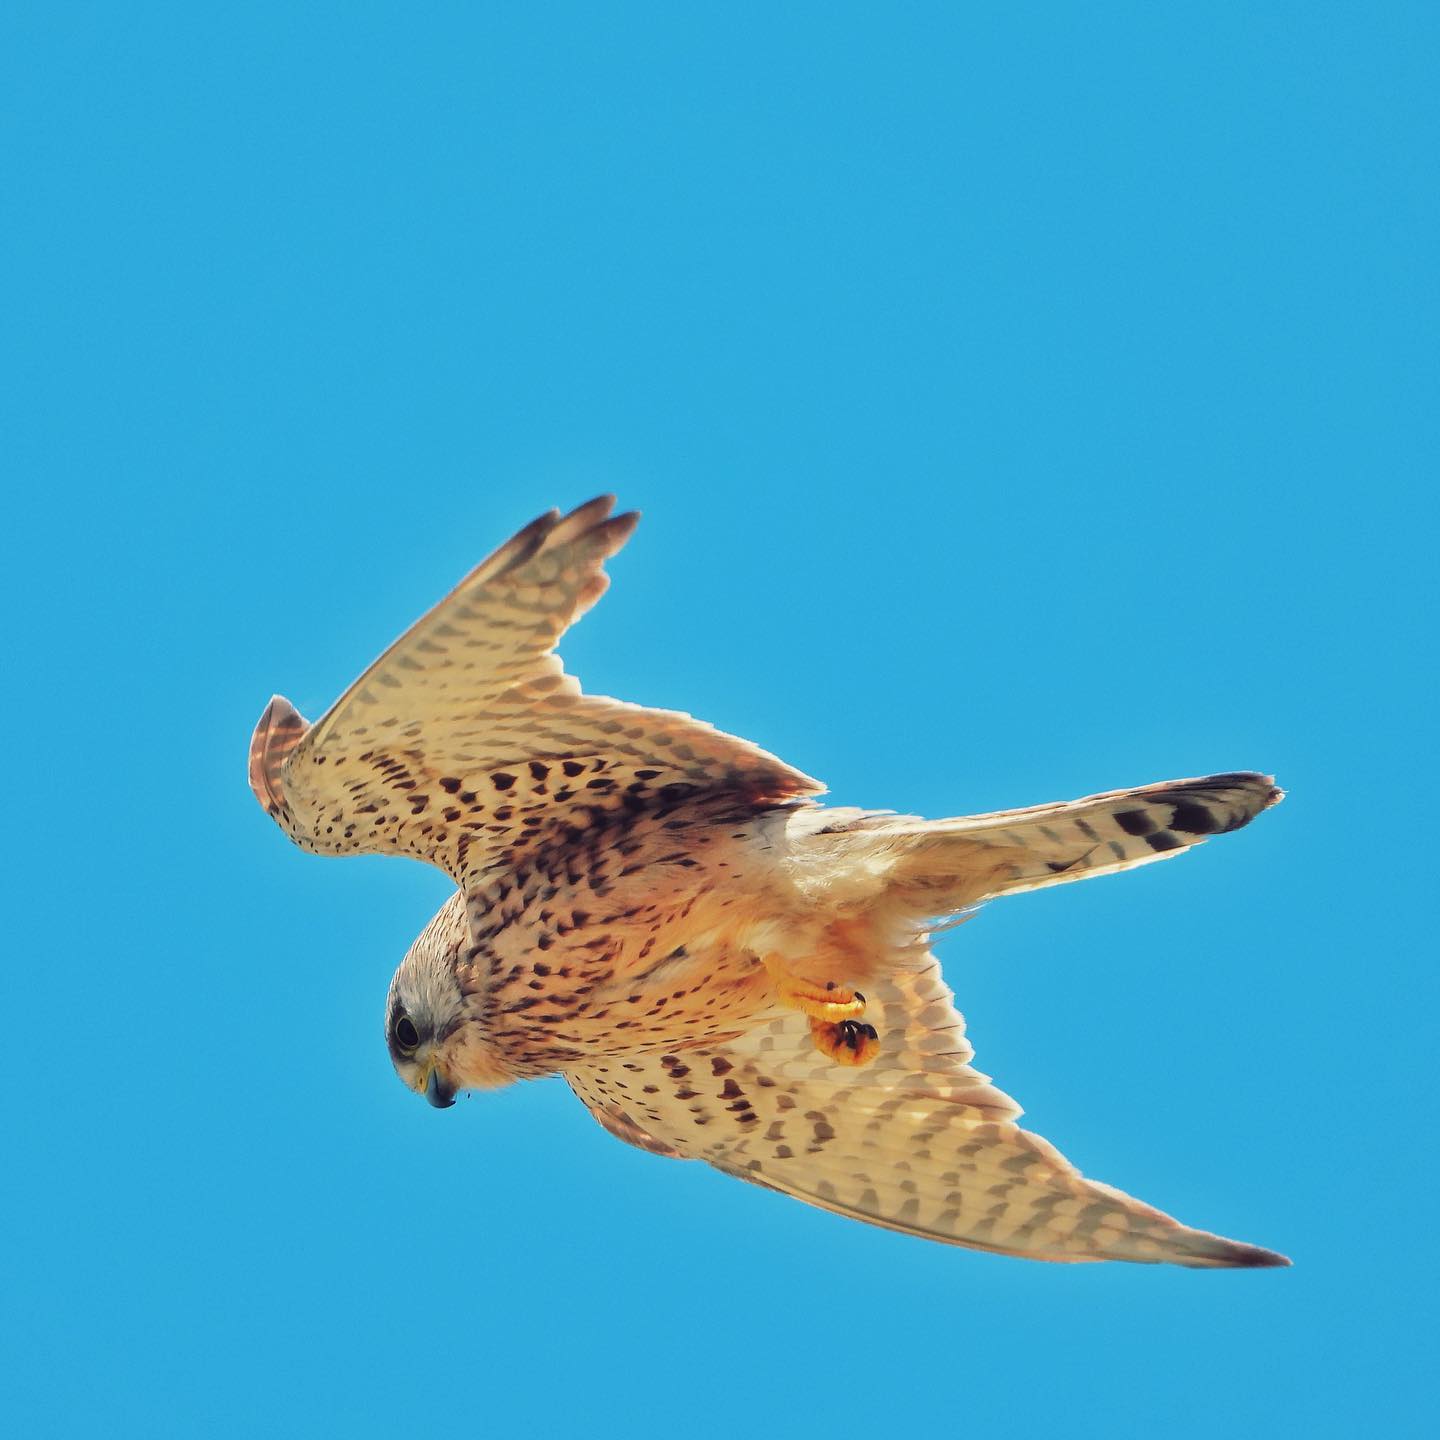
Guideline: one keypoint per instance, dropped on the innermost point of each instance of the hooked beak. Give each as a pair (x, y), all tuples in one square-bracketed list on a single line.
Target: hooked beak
[(437, 1092)]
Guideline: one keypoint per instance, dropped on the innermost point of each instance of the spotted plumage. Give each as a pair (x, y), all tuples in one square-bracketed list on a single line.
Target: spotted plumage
[(721, 968)]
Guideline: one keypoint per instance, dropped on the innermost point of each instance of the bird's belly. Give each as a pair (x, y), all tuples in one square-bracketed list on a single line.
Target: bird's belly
[(581, 1003), (670, 973)]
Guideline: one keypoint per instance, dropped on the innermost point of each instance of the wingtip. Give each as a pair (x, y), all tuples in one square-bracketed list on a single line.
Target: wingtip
[(278, 731), (600, 506), (593, 519), (620, 527), (583, 517), (1222, 1254), (1256, 1257)]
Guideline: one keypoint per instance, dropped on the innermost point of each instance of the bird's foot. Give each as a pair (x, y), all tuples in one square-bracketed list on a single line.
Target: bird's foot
[(847, 1042), (829, 1002), (833, 1011)]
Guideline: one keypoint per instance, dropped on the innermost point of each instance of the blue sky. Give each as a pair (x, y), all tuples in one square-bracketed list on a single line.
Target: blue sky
[(1024, 401)]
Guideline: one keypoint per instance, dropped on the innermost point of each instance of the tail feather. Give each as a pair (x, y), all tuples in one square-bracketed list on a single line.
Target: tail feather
[(947, 864)]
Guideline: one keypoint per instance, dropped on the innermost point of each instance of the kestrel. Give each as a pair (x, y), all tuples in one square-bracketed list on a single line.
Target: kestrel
[(720, 967)]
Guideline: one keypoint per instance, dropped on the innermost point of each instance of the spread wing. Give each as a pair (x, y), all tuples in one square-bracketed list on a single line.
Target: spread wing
[(466, 740), (918, 1141)]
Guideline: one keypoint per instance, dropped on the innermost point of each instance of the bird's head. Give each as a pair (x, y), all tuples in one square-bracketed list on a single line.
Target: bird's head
[(425, 1011)]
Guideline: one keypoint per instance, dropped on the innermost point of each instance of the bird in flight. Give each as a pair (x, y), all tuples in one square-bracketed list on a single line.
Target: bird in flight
[(721, 968)]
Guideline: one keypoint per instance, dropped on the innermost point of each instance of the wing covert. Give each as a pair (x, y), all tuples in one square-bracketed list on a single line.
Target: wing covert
[(917, 1142), (466, 739)]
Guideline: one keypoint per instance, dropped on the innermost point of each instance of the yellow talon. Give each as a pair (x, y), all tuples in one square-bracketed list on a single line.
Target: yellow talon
[(820, 1002), (833, 1011)]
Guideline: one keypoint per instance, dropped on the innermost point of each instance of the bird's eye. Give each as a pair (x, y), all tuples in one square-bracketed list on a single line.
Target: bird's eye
[(407, 1037)]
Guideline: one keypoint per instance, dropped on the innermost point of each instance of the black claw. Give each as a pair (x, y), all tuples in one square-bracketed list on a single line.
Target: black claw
[(859, 997), (871, 1031)]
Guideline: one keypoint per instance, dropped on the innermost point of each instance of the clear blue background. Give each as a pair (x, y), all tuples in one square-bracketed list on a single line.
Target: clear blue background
[(1024, 401)]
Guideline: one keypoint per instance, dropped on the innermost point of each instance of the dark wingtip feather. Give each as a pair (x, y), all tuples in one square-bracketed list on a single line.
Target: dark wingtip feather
[(1256, 1257), (1214, 1252)]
